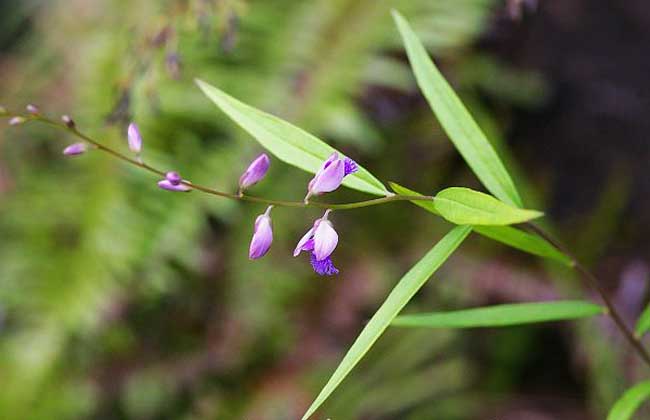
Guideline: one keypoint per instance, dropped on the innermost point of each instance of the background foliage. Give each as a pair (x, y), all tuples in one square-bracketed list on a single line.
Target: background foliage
[(118, 300)]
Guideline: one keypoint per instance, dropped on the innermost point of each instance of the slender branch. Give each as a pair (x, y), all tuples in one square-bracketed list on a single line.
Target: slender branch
[(240, 197), (593, 282)]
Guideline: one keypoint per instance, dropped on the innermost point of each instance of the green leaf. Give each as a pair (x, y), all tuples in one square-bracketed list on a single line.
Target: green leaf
[(630, 401), (396, 300), (456, 120), (508, 235), (502, 315), (286, 141), (643, 324), (464, 206)]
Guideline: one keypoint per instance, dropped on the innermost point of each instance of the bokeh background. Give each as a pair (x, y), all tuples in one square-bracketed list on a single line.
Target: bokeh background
[(121, 301)]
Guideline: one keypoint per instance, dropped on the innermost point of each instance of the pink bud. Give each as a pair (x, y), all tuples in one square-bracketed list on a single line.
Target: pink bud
[(262, 236), (173, 177), (134, 137), (165, 184), (255, 171), (75, 149)]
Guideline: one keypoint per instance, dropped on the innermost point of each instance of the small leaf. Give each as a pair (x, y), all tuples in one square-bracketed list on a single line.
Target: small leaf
[(464, 206), (625, 407), (502, 315), (643, 324), (286, 141), (456, 120), (396, 300), (508, 235)]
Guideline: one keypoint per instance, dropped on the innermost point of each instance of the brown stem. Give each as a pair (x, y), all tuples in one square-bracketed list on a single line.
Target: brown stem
[(593, 282)]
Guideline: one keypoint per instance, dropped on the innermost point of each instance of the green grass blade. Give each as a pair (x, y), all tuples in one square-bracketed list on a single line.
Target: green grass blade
[(456, 120), (396, 300), (502, 315), (464, 206), (625, 407), (286, 141), (508, 235), (643, 324)]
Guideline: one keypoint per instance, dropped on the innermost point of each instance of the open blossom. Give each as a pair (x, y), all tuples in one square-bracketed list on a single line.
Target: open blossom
[(75, 149), (134, 138), (262, 236), (172, 182), (255, 172), (330, 175), (320, 241)]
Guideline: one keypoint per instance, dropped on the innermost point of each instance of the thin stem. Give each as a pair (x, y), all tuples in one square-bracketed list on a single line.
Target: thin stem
[(595, 284), (239, 196)]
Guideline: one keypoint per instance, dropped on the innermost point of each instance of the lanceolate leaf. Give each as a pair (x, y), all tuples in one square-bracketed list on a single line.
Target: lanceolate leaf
[(502, 315), (630, 401), (643, 324), (396, 300), (456, 120), (464, 206), (508, 235), (286, 141)]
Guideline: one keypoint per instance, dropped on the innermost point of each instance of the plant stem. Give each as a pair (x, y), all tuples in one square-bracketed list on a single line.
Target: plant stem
[(240, 197), (595, 284)]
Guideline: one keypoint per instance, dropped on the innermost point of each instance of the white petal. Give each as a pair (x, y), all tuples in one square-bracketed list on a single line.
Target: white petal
[(325, 240)]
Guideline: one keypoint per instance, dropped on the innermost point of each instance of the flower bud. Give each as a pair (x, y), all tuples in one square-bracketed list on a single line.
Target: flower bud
[(135, 139), (255, 172), (75, 149), (32, 109), (16, 120), (69, 122), (173, 177), (166, 184), (262, 236)]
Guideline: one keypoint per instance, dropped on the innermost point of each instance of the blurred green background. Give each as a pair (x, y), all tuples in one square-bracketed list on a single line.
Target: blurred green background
[(121, 301)]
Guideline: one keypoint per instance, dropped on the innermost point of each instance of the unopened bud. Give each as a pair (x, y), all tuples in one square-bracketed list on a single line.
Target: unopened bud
[(16, 120), (69, 122), (75, 149), (32, 109)]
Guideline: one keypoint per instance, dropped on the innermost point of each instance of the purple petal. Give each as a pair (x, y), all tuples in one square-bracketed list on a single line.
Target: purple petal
[(325, 240), (262, 237), (173, 177), (255, 172), (134, 137), (303, 242), (165, 184), (75, 149), (329, 179), (323, 267), (350, 166)]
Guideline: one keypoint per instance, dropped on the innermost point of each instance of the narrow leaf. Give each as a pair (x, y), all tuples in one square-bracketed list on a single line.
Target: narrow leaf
[(464, 206), (502, 315), (508, 235), (643, 324), (396, 300), (286, 141), (456, 120), (625, 407)]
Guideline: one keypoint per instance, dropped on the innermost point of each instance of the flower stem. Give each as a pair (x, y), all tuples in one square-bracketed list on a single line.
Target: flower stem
[(239, 196), (593, 282)]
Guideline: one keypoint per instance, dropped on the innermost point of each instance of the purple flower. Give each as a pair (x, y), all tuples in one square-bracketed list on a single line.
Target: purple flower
[(173, 177), (135, 139), (320, 241), (330, 175), (166, 184), (262, 236), (75, 149), (255, 172)]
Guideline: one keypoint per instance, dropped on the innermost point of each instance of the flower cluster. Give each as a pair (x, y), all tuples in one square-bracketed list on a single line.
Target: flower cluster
[(321, 239)]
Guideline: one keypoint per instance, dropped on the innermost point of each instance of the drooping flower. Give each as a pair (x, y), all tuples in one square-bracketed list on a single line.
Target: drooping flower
[(75, 149), (134, 138), (330, 175), (173, 182), (321, 240), (255, 172), (262, 236)]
